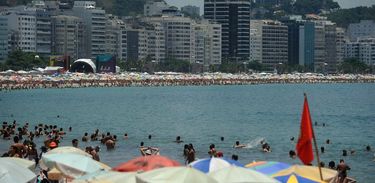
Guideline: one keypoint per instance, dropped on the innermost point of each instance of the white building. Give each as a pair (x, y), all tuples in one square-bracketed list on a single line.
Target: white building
[(255, 45), (363, 29), (208, 43), (179, 37), (23, 31), (273, 37), (95, 21), (363, 50), (154, 8)]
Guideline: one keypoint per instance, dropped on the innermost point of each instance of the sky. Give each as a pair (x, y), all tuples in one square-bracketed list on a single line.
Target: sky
[(342, 3)]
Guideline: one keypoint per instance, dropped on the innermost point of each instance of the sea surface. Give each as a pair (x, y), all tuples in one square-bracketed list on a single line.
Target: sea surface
[(203, 114)]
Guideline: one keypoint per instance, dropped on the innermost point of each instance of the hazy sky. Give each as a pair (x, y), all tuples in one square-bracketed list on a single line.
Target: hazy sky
[(342, 3)]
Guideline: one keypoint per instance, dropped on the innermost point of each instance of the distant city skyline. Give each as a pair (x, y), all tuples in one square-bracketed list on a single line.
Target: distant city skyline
[(342, 3)]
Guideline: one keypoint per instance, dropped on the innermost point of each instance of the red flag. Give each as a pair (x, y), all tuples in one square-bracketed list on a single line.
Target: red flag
[(304, 144)]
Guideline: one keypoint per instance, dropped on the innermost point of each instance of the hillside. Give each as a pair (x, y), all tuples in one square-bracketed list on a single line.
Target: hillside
[(344, 17)]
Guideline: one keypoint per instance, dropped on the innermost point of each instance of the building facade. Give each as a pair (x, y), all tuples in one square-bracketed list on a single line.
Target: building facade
[(3, 38), (68, 37), (234, 16), (362, 49), (274, 42), (363, 29), (95, 22), (208, 43), (307, 45), (154, 8)]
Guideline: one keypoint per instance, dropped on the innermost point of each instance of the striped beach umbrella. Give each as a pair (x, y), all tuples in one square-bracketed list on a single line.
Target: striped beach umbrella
[(305, 174), (267, 167), (213, 164)]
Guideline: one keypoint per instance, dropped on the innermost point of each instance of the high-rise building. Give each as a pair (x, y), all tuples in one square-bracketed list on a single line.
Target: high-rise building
[(208, 43), (363, 29), (363, 49), (43, 32), (3, 38), (255, 45), (319, 47), (179, 37), (274, 42), (154, 8), (68, 37), (22, 25), (293, 23), (234, 16), (307, 45), (94, 19), (340, 43)]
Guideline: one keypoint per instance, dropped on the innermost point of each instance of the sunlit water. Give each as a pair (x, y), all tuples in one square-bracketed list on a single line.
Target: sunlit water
[(201, 115)]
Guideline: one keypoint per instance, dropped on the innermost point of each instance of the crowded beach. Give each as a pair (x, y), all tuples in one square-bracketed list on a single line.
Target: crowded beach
[(51, 162), (11, 80)]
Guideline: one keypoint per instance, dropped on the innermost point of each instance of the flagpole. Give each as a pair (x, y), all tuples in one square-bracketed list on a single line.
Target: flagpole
[(316, 149)]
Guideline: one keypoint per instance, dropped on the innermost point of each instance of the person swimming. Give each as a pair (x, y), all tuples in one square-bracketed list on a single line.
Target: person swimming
[(238, 145), (178, 139), (292, 154)]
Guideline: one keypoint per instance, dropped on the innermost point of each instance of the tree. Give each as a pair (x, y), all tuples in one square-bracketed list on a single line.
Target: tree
[(19, 60), (344, 17), (308, 6), (255, 65), (354, 66), (175, 65)]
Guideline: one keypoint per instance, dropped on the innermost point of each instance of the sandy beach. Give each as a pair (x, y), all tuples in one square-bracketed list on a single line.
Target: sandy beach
[(77, 80)]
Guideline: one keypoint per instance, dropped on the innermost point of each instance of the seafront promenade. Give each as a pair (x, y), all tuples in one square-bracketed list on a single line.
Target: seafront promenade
[(77, 80)]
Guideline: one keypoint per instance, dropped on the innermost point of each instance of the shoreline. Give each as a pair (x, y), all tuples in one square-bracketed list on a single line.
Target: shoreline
[(76, 80)]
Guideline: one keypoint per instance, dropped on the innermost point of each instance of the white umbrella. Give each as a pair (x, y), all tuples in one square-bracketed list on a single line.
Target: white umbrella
[(234, 174), (104, 176), (71, 165), (13, 172), (174, 175), (23, 162)]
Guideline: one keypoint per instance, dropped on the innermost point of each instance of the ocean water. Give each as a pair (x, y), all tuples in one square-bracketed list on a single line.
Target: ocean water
[(203, 114)]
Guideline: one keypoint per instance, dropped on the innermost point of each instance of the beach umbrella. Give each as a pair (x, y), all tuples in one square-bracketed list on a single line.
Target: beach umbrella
[(146, 163), (105, 176), (14, 172), (302, 174), (213, 164), (267, 167), (23, 162), (174, 175), (235, 174), (68, 149), (71, 165)]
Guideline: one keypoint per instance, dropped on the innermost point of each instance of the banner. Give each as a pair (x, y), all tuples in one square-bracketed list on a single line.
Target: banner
[(60, 61), (106, 63)]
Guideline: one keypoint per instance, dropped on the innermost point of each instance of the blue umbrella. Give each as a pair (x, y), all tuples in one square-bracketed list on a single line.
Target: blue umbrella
[(213, 164)]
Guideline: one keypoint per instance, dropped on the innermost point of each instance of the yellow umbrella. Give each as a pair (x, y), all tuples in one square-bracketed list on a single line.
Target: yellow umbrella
[(301, 174)]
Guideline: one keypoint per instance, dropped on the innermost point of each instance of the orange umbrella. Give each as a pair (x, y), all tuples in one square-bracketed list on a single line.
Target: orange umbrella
[(145, 163)]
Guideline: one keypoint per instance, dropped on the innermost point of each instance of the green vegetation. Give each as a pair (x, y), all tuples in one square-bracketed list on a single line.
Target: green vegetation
[(19, 60), (344, 17), (354, 66)]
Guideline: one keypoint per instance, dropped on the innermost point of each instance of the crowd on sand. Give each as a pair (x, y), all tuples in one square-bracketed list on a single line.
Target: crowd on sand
[(23, 146), (77, 80)]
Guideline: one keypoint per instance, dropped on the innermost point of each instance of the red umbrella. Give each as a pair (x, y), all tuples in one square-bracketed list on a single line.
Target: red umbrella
[(145, 163)]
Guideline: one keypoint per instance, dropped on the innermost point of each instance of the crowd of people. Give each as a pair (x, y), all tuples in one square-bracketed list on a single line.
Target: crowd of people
[(24, 146), (76, 80)]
